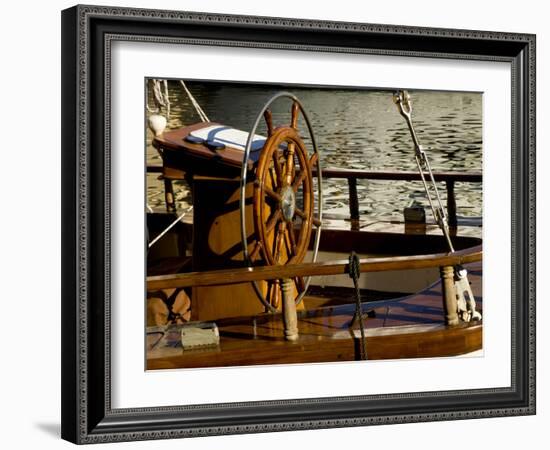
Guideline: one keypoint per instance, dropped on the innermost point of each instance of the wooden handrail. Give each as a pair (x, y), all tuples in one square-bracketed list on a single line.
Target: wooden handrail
[(340, 267), (154, 169), (471, 177)]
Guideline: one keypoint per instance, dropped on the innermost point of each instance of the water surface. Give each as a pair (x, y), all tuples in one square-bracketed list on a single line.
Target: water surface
[(354, 128)]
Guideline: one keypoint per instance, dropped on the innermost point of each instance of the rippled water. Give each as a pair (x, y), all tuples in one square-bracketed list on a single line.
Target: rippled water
[(358, 129)]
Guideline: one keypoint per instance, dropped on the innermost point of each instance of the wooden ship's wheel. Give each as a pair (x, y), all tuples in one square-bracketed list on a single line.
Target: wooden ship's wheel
[(285, 208)]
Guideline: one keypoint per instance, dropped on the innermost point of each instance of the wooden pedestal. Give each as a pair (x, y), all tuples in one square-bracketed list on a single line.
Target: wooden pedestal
[(217, 245)]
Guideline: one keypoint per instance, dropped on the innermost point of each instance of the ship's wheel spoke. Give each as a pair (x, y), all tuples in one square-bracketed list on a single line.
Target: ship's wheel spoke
[(256, 251), (273, 178), (313, 160), (303, 173), (289, 166), (293, 170), (278, 168), (274, 293), (273, 220), (298, 180), (300, 284), (304, 216), (300, 213), (271, 193), (291, 240), (279, 241), (277, 294), (270, 292), (269, 122), (294, 115)]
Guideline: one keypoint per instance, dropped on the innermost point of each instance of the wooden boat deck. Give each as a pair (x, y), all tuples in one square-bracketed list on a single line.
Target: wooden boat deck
[(409, 327)]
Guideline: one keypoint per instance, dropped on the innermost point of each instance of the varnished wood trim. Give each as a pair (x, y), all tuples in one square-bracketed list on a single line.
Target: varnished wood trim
[(231, 276)]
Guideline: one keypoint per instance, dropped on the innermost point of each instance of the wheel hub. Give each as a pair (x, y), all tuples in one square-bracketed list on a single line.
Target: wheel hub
[(288, 203)]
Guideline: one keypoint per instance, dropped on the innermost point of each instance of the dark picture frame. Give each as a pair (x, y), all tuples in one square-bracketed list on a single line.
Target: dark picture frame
[(87, 35)]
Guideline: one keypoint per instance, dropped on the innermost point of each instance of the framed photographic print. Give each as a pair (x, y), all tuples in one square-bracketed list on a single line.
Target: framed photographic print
[(283, 224)]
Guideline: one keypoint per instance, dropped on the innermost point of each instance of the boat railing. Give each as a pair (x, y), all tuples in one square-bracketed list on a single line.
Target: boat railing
[(338, 267), (449, 178), (445, 261), (352, 175)]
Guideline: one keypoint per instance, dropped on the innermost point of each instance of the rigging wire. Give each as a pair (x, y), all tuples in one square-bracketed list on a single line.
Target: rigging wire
[(195, 103), (169, 227)]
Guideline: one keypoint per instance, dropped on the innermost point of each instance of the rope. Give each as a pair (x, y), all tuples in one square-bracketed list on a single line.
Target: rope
[(355, 273), (162, 100), (200, 111), (160, 97)]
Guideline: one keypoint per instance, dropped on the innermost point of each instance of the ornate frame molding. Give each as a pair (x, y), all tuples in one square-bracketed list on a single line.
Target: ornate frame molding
[(88, 32)]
